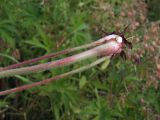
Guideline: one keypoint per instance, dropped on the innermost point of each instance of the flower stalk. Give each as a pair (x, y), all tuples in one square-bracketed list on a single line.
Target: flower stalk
[(106, 46), (24, 87), (107, 49), (53, 55)]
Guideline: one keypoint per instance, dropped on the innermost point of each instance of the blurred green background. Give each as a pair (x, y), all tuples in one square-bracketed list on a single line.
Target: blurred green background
[(125, 90)]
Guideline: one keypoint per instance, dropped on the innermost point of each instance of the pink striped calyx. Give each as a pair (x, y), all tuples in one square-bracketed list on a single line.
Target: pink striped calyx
[(118, 43)]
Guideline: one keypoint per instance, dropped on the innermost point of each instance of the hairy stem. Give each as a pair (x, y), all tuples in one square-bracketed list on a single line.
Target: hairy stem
[(24, 87), (107, 48), (53, 55)]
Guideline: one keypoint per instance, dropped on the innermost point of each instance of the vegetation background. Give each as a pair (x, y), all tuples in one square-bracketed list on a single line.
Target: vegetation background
[(125, 90)]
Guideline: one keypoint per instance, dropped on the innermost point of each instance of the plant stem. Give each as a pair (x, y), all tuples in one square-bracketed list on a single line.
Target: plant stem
[(53, 55), (107, 49), (24, 87)]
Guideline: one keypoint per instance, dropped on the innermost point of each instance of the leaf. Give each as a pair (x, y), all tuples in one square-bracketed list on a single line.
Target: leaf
[(105, 64), (82, 82), (23, 79), (3, 104), (9, 57), (37, 43)]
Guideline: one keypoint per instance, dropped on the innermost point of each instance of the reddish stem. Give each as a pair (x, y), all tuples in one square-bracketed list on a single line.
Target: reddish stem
[(36, 59), (52, 55), (24, 87)]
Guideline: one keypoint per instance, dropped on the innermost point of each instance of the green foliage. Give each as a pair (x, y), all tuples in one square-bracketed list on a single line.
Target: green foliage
[(153, 7), (116, 90)]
